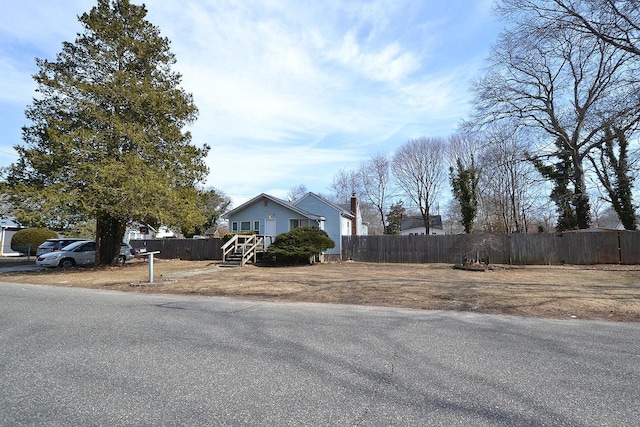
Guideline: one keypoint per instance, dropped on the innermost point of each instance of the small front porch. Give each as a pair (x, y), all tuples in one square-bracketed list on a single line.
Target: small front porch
[(242, 249)]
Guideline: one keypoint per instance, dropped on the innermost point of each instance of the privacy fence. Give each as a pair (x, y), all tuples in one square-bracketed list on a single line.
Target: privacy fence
[(186, 249), (563, 248), (621, 247)]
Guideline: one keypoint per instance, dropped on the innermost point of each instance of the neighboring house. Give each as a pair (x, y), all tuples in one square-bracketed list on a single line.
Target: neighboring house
[(269, 216), (8, 228), (414, 225), (145, 232)]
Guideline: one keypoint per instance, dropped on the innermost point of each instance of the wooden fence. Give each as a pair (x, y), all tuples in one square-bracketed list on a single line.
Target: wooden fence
[(609, 247), (186, 249), (621, 247)]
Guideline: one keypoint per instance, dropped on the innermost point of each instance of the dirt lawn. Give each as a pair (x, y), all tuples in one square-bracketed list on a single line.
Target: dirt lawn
[(583, 292)]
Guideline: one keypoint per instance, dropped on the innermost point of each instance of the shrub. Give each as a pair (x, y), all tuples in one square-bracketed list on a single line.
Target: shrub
[(300, 245), (29, 239)]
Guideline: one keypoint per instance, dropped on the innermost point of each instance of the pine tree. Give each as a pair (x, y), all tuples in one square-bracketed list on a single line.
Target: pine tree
[(106, 137), (394, 218)]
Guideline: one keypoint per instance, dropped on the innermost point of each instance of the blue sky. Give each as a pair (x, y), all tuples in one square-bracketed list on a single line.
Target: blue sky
[(289, 92)]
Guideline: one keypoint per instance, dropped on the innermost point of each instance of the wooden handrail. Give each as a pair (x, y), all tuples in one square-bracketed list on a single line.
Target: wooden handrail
[(247, 245)]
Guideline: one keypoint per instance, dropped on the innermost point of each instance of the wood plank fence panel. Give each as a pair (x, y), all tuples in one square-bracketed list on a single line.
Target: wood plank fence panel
[(590, 248), (542, 249), (185, 249), (630, 247), (570, 248), (537, 249)]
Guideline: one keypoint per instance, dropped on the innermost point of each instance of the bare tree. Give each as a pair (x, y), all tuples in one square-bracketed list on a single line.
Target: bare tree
[(465, 146), (345, 183), (452, 218), (563, 83), (418, 167), (509, 185), (375, 175), (615, 22), (297, 192)]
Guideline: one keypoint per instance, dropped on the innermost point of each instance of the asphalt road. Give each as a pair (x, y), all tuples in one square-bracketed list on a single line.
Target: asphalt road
[(78, 357)]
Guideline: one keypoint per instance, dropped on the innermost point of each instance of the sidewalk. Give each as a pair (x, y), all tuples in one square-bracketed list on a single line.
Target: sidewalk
[(7, 261)]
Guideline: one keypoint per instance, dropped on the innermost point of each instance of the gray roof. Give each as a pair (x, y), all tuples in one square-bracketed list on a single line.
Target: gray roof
[(346, 211), (284, 203)]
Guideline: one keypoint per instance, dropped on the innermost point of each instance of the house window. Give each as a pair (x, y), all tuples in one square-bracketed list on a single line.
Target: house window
[(295, 223), (240, 226)]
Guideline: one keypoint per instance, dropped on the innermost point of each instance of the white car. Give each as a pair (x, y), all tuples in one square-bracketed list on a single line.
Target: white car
[(52, 245), (78, 254)]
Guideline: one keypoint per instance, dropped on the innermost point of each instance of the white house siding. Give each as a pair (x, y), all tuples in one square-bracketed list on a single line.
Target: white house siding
[(6, 234), (346, 226), (421, 231)]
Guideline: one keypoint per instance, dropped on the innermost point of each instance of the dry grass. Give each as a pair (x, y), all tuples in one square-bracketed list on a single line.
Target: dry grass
[(586, 292)]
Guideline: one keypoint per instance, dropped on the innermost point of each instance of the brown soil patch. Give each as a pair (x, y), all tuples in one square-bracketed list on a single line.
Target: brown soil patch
[(584, 292)]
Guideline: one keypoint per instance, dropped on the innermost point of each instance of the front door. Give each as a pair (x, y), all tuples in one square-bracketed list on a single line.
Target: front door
[(269, 231)]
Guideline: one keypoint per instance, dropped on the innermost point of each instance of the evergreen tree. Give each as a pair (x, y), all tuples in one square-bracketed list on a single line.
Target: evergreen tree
[(464, 182), (300, 245), (560, 174), (213, 203), (394, 218), (106, 139), (615, 175)]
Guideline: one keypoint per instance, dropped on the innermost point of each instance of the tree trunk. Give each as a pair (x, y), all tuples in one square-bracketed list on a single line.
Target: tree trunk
[(109, 233), (583, 208), (426, 220)]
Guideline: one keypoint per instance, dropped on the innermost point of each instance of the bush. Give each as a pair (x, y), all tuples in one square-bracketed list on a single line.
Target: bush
[(31, 238), (300, 245)]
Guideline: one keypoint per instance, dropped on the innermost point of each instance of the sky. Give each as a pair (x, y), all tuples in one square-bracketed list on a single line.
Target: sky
[(289, 92)]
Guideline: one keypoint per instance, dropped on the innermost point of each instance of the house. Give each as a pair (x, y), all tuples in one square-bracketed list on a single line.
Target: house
[(414, 225), (145, 232), (8, 228), (269, 216)]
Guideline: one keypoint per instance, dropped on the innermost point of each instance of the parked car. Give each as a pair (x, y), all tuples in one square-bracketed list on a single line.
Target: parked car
[(80, 253), (52, 245), (127, 251), (139, 251)]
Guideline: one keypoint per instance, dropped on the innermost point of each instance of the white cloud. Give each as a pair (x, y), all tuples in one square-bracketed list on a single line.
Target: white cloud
[(389, 64), (289, 91)]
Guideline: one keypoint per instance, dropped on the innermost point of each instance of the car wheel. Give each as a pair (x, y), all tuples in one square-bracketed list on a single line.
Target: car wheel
[(67, 263), (121, 259)]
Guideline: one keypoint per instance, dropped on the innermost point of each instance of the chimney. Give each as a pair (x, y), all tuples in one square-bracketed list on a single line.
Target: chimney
[(354, 209)]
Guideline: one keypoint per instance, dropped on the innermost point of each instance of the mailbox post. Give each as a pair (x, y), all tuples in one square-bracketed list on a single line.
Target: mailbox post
[(150, 255)]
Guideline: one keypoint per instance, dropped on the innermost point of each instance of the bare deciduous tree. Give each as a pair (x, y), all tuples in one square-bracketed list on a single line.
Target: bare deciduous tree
[(616, 22), (375, 175), (297, 192), (418, 167), (509, 185), (345, 183), (566, 84)]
